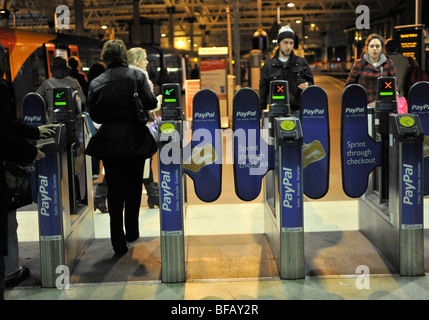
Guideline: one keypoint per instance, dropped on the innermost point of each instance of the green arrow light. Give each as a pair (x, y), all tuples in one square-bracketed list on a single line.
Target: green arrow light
[(167, 92), (58, 95)]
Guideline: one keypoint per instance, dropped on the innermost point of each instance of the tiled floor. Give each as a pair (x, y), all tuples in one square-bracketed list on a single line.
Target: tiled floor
[(234, 219)]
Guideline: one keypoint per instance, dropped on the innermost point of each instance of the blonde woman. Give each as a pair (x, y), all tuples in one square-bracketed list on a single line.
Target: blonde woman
[(137, 59)]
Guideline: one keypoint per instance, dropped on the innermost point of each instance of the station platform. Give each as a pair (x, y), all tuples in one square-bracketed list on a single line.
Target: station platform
[(228, 256)]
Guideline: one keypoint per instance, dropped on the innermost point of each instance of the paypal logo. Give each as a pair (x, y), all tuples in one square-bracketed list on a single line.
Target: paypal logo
[(32, 119), (314, 112), (355, 110), (246, 114), (204, 115), (420, 108)]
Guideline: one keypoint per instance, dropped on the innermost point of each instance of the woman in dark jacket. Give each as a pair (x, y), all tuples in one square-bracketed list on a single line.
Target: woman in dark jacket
[(122, 142)]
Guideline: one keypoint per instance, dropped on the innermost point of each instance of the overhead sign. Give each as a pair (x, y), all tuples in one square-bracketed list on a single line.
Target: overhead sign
[(213, 70), (411, 42)]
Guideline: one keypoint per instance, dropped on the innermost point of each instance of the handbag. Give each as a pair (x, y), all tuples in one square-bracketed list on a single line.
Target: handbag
[(142, 114), (18, 186)]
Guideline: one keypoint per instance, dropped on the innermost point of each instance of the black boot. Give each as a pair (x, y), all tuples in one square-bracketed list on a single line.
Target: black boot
[(152, 194)]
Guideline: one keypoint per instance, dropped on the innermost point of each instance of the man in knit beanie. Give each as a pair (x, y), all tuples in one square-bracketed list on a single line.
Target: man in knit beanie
[(285, 65)]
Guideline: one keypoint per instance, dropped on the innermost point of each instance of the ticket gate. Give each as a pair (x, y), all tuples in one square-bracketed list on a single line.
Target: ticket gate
[(280, 159), (382, 165), (172, 210), (66, 229), (301, 166)]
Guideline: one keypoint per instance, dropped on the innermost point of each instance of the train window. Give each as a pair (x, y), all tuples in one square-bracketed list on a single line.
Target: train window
[(154, 67), (173, 68), (38, 70)]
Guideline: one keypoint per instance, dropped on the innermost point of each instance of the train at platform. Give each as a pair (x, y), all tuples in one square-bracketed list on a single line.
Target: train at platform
[(30, 56)]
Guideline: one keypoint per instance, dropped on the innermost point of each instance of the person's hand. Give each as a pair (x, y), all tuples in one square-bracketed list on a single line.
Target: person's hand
[(40, 154), (303, 86), (158, 106), (46, 131)]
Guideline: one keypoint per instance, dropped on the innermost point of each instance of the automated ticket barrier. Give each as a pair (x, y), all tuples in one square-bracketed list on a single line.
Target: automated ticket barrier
[(289, 188), (392, 218), (200, 160), (300, 166), (67, 109), (384, 106), (53, 204), (280, 160), (283, 220), (64, 234), (406, 192), (170, 154)]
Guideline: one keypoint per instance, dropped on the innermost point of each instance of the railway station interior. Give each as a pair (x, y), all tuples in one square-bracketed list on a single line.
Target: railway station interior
[(228, 245)]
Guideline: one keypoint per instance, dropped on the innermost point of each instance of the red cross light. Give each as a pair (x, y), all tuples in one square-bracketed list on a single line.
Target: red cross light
[(279, 88), (388, 85)]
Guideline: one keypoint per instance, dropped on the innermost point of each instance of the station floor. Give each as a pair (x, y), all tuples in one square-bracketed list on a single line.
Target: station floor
[(228, 257)]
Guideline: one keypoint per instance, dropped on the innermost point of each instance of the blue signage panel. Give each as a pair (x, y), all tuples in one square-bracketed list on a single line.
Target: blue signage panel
[(290, 182), (49, 198), (170, 176), (251, 155), (316, 148), (33, 109), (33, 114), (411, 186), (171, 205), (418, 103), (359, 153), (204, 163)]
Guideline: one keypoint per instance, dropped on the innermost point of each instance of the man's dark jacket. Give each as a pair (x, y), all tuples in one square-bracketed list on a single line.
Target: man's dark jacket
[(296, 69)]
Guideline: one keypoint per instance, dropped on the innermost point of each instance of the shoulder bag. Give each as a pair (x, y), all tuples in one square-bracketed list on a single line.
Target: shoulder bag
[(142, 113), (18, 186)]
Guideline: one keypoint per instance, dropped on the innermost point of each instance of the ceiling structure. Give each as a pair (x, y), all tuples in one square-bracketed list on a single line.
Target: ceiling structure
[(198, 18)]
